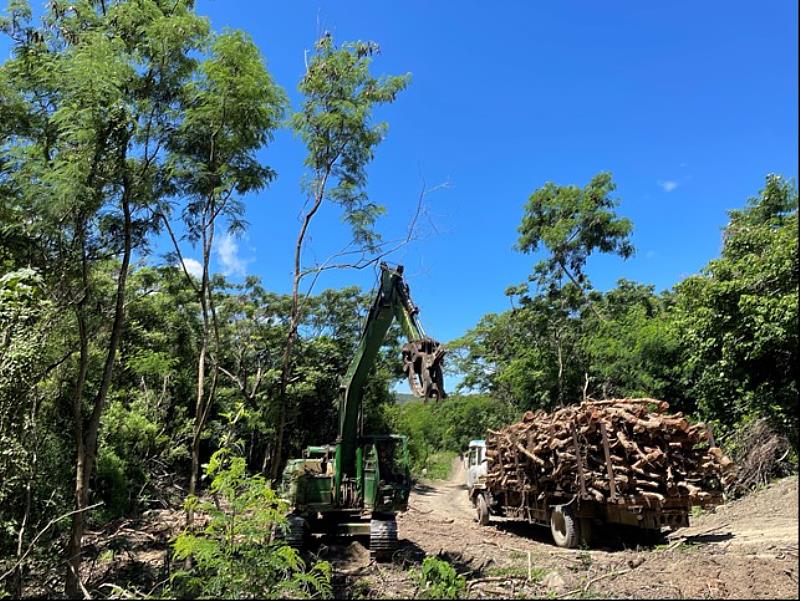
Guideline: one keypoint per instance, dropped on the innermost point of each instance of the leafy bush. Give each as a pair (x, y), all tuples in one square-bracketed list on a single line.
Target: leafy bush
[(131, 441), (112, 484), (236, 554), (448, 425), (439, 580), (437, 465)]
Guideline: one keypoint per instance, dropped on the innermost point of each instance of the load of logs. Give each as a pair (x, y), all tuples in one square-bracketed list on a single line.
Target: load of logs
[(618, 451)]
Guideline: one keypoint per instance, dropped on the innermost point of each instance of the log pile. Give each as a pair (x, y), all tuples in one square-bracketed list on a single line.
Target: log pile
[(619, 451)]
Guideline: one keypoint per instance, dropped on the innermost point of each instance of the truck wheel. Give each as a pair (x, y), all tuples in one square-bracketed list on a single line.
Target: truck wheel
[(482, 510), (565, 527)]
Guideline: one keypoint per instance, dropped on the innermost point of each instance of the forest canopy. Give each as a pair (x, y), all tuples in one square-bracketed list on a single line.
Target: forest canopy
[(130, 382)]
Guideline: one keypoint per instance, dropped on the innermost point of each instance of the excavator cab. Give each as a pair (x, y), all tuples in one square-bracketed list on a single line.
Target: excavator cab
[(387, 477)]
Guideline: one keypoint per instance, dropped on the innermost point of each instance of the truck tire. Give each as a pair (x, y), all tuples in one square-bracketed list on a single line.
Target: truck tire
[(565, 527), (482, 510)]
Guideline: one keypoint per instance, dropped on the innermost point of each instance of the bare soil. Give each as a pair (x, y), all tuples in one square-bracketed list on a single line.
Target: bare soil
[(747, 549)]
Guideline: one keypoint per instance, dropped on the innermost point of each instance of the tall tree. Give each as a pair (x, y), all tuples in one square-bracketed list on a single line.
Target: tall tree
[(335, 123), (230, 111), (571, 223), (97, 81)]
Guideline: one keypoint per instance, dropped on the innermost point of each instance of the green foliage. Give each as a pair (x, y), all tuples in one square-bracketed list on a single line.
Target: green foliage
[(533, 356), (236, 555), (439, 580), (23, 333), (437, 465), (231, 110), (721, 346), (738, 319), (132, 444), (437, 431), (635, 349), (138, 108), (572, 223), (335, 125), (115, 117)]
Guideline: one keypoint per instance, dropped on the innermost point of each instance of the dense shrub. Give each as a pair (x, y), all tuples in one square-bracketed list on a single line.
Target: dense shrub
[(448, 425)]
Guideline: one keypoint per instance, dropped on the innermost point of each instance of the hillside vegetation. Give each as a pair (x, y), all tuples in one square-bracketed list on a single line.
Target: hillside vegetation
[(135, 382)]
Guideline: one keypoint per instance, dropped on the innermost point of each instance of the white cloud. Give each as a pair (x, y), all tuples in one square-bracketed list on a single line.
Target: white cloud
[(194, 268), (228, 253), (668, 185)]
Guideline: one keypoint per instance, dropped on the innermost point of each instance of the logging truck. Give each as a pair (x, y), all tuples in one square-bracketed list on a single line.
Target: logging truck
[(570, 517)]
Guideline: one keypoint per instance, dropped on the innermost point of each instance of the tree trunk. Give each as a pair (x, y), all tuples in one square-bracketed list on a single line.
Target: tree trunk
[(202, 402), (319, 195), (76, 532), (560, 372), (87, 442), (197, 430)]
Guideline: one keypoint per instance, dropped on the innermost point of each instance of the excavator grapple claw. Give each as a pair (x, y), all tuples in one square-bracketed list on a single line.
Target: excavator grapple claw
[(422, 362)]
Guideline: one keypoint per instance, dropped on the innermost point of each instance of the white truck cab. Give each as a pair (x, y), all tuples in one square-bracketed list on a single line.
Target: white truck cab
[(476, 466)]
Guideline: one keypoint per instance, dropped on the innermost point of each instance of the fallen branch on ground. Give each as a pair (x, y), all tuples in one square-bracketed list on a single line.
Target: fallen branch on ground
[(591, 581)]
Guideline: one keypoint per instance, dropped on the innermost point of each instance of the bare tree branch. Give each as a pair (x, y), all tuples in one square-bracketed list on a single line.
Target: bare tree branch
[(41, 532), (383, 250), (178, 252)]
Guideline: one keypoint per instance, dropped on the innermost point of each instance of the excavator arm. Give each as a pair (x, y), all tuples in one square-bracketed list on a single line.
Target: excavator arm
[(422, 360)]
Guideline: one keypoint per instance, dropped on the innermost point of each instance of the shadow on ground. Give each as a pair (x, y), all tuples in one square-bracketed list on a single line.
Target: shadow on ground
[(606, 537)]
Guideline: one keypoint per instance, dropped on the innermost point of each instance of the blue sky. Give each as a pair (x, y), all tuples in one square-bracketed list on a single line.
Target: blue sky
[(688, 104)]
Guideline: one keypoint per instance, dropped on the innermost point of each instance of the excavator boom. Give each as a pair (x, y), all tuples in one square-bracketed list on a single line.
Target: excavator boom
[(368, 481), (422, 359)]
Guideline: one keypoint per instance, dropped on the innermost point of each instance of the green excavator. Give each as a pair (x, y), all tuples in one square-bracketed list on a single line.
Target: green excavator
[(356, 486)]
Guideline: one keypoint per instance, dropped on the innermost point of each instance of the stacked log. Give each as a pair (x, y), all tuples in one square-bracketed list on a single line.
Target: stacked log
[(618, 451)]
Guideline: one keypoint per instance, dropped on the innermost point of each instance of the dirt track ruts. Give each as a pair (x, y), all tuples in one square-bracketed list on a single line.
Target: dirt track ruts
[(746, 549)]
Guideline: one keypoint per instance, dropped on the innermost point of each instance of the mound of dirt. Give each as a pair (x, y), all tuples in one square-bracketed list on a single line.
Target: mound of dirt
[(766, 517)]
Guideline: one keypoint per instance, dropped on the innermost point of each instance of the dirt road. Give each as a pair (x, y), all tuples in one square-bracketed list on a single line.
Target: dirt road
[(747, 549)]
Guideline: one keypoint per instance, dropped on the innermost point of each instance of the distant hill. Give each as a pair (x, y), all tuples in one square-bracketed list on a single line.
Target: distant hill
[(403, 397)]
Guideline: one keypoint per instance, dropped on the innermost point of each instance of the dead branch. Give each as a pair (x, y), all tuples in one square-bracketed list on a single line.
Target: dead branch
[(591, 581), (39, 534)]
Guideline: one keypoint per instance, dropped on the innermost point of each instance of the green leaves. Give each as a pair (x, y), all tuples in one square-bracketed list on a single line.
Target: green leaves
[(448, 425), (739, 318), (722, 345), (335, 124), (235, 555), (439, 580), (231, 109), (572, 223)]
